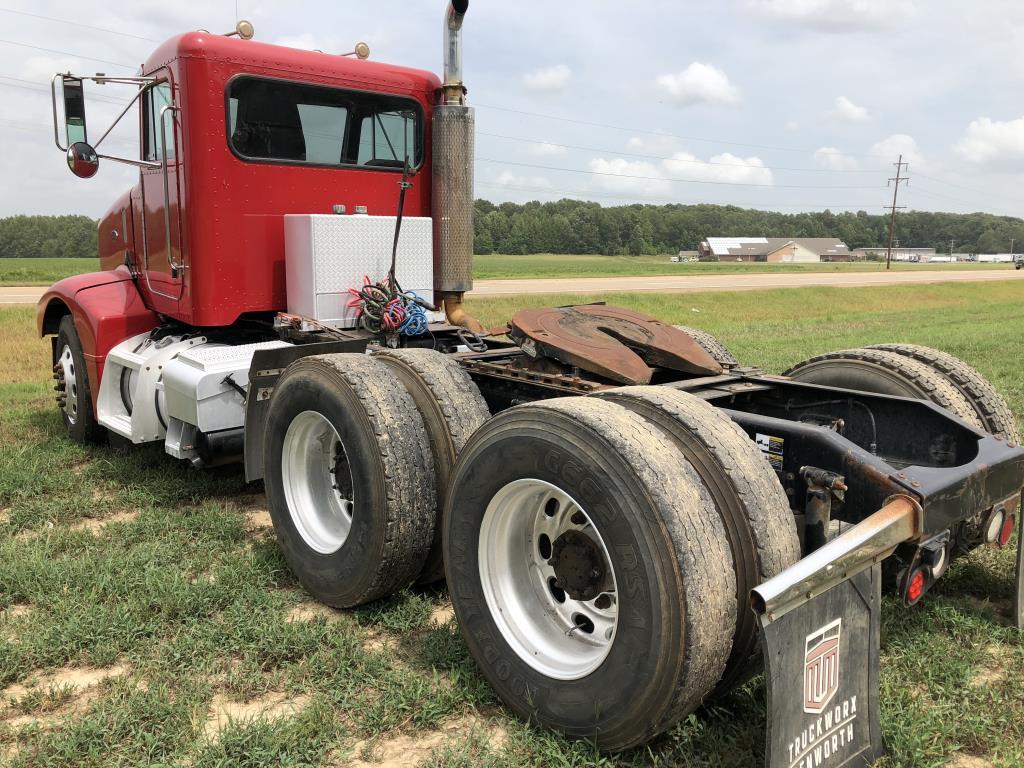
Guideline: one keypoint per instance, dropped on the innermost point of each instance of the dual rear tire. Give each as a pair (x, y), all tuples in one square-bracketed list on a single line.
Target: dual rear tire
[(593, 569), (358, 452)]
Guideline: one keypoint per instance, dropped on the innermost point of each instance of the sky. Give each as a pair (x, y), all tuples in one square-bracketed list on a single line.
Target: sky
[(786, 105)]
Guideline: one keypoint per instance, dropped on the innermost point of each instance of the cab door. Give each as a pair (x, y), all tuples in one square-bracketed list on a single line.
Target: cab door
[(163, 256)]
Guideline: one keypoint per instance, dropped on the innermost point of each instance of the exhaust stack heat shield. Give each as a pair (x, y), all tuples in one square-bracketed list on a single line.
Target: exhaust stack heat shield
[(452, 195)]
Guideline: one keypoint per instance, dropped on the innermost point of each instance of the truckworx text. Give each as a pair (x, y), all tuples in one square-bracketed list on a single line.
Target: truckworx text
[(607, 496)]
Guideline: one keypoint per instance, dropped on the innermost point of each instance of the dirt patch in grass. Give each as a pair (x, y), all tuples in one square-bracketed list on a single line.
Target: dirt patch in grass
[(442, 614), (96, 525), (968, 761), (75, 678), (258, 520), (273, 706), (310, 611), (403, 750), (14, 611)]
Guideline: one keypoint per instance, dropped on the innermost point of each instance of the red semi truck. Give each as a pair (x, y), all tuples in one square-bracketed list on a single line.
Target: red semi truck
[(630, 522)]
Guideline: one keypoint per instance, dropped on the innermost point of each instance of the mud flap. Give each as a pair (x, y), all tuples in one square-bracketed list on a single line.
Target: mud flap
[(821, 662), (1018, 607)]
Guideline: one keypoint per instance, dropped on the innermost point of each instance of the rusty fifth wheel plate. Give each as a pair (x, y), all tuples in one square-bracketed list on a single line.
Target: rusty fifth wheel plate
[(617, 343)]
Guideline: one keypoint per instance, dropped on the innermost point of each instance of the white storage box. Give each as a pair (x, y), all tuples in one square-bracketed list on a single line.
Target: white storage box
[(325, 255)]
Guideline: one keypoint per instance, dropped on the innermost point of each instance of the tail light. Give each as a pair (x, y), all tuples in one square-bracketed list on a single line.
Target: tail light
[(916, 583), (1006, 531)]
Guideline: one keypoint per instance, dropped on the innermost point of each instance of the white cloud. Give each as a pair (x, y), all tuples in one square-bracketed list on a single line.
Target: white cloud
[(641, 176), (896, 145), (839, 15), (546, 149), (548, 79), (987, 141), (792, 126), (726, 168), (509, 179), (847, 110), (630, 176), (699, 83), (834, 160)]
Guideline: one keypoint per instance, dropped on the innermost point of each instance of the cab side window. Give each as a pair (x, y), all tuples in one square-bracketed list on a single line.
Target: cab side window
[(153, 103)]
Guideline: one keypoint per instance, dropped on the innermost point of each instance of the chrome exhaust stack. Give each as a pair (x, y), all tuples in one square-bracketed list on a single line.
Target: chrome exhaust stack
[(452, 181)]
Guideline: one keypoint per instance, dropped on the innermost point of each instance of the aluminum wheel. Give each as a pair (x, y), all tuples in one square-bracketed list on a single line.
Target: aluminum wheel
[(317, 482), (548, 579), (70, 382)]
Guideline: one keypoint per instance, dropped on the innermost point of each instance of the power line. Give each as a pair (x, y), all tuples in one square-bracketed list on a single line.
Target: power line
[(79, 25), (647, 131), (67, 53), (662, 178), (30, 85), (669, 157)]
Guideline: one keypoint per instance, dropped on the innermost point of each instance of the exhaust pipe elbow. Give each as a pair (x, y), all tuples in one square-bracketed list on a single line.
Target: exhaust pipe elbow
[(455, 312), (454, 90)]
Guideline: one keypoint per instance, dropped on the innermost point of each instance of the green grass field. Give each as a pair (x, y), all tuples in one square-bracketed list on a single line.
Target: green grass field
[(496, 267), (146, 617), (42, 271)]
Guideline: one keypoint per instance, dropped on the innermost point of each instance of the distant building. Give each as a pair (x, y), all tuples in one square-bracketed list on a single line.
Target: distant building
[(774, 249), (995, 258), (898, 253)]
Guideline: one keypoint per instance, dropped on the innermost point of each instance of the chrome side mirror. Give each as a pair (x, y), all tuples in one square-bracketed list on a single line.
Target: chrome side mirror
[(83, 160), (74, 109)]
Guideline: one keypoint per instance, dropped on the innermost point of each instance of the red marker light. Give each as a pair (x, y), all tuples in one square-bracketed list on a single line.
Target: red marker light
[(1006, 532), (915, 587)]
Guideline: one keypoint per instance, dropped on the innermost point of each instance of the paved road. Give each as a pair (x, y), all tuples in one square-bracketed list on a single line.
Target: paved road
[(734, 282), (672, 284), (20, 295)]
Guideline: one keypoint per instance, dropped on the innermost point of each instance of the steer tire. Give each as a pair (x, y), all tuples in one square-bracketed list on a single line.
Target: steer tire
[(666, 550), (988, 404), (80, 422), (711, 345), (744, 489), (888, 373), (385, 465), (452, 409)]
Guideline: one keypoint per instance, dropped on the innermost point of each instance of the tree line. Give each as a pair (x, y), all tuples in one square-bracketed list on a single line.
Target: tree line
[(575, 226), (35, 237)]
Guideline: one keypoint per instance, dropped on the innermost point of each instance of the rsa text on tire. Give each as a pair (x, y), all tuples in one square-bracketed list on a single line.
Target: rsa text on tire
[(592, 583), (74, 390), (452, 409), (349, 478)]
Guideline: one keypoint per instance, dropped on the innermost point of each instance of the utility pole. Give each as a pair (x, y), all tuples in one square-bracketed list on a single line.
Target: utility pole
[(950, 247), (1012, 241), (898, 179)]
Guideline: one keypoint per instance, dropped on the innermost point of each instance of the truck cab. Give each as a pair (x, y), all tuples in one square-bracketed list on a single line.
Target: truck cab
[(240, 133)]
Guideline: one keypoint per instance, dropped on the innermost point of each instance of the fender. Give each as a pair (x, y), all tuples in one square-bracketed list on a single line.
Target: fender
[(107, 308)]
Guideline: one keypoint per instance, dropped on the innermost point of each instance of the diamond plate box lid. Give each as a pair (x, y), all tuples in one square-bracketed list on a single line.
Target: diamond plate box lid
[(325, 255)]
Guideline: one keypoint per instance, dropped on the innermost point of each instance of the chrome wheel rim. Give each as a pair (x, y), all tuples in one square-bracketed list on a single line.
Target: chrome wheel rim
[(317, 482), (547, 579), (70, 381)]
